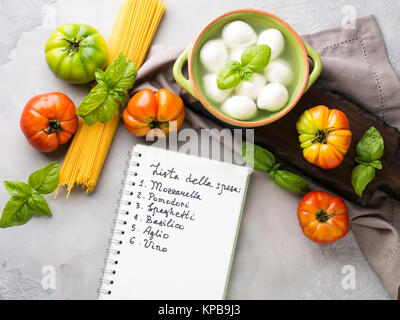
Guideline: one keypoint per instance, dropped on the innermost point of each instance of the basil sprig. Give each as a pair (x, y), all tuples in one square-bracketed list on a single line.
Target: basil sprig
[(103, 100), (369, 151), (253, 59), (261, 159), (27, 199)]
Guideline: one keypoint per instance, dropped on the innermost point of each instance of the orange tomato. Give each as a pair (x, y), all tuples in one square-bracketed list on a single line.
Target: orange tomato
[(49, 120), (324, 135), (148, 110), (323, 217)]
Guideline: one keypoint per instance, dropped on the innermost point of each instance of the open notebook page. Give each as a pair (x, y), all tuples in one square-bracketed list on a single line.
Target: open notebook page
[(182, 217)]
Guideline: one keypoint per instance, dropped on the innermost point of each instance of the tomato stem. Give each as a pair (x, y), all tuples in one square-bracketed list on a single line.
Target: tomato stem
[(54, 126), (156, 124), (323, 216), (322, 135), (74, 45)]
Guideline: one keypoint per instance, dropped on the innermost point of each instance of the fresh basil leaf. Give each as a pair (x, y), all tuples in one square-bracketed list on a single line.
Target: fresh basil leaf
[(257, 158), (369, 150), (122, 72), (361, 176), (104, 112), (37, 204), (15, 213), (107, 110), (262, 160), (360, 161), (256, 58), (102, 102), (227, 78), (246, 74), (114, 71), (377, 164), (289, 181), (45, 180), (120, 95), (23, 202), (99, 106), (234, 65), (102, 77), (18, 189), (371, 146), (93, 100)]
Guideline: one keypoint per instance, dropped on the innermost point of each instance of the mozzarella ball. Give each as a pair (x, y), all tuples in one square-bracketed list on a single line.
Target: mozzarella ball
[(274, 39), (212, 90), (240, 108), (273, 97), (238, 34), (214, 55), (252, 88), (236, 54), (278, 71)]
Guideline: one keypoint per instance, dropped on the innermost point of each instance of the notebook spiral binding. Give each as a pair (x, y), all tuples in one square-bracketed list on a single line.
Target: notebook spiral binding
[(118, 227)]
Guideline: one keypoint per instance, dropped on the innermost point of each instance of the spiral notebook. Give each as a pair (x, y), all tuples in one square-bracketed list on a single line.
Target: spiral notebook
[(176, 227)]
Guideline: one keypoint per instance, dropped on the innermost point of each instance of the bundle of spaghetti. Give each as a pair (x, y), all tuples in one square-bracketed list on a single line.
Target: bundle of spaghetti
[(134, 28)]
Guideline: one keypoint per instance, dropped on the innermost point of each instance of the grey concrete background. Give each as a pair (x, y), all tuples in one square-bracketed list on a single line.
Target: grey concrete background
[(268, 263)]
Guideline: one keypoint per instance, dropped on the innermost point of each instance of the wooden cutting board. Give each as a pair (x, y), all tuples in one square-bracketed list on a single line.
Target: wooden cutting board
[(281, 138)]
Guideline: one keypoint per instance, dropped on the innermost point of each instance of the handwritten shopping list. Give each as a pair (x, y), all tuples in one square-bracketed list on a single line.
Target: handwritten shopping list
[(162, 210), (182, 216)]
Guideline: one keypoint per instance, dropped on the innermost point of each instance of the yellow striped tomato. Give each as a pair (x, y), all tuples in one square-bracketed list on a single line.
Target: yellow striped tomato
[(324, 135)]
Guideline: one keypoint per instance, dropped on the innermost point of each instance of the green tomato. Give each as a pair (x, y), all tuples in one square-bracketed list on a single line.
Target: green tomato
[(75, 51)]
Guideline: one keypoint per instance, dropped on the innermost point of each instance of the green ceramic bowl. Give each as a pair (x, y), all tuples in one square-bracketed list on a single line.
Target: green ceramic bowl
[(298, 52)]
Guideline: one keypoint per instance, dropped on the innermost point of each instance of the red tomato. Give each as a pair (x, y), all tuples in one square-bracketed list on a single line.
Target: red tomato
[(323, 217), (49, 120)]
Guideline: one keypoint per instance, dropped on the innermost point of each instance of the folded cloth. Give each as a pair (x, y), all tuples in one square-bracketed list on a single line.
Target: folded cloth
[(357, 67)]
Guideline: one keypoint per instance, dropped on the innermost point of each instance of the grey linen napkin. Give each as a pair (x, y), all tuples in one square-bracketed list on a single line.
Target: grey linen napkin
[(357, 67)]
